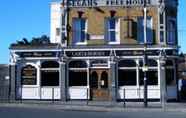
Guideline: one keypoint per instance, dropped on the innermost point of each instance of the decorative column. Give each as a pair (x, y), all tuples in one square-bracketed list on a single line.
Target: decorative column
[(113, 77), (63, 81), (162, 75), (12, 74)]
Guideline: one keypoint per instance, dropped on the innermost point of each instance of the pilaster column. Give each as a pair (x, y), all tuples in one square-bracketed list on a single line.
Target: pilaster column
[(12, 74), (63, 81), (162, 75), (113, 86)]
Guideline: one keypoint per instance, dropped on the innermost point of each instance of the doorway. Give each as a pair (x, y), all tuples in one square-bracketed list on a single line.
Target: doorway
[(99, 85)]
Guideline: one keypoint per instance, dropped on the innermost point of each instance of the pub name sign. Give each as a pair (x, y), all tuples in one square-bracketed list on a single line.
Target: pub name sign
[(96, 3)]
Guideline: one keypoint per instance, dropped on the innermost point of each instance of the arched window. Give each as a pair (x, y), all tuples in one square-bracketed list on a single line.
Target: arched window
[(50, 73), (29, 75), (94, 80), (77, 64), (50, 64), (104, 79)]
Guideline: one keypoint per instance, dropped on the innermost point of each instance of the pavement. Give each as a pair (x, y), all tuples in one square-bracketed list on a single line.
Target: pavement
[(97, 106)]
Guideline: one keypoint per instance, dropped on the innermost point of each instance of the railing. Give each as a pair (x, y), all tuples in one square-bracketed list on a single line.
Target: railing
[(4, 93), (138, 92)]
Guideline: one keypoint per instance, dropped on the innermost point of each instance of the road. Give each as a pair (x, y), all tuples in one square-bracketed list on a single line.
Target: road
[(17, 112)]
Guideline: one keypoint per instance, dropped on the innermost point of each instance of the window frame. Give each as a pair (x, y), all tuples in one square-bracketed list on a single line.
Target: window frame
[(37, 79), (55, 68), (151, 41), (169, 31), (84, 30), (128, 68), (116, 30)]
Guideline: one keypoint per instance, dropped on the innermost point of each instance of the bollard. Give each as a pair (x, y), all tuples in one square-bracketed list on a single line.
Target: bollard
[(124, 102), (87, 95), (52, 95)]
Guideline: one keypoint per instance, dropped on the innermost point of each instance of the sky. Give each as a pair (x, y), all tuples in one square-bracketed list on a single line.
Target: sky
[(31, 18)]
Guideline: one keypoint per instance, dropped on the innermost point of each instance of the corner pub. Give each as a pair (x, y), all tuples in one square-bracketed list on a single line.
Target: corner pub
[(97, 53)]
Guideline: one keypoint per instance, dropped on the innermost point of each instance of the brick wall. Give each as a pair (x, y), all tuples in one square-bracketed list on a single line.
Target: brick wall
[(96, 17)]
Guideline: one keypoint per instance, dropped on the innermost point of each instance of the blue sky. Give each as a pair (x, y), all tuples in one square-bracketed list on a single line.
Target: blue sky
[(31, 18)]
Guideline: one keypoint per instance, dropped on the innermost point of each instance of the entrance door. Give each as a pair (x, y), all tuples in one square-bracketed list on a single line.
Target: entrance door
[(99, 85)]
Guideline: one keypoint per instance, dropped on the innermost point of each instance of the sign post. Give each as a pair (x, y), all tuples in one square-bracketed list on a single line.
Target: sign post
[(145, 55)]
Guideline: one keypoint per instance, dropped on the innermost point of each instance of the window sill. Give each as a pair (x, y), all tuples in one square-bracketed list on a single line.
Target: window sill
[(81, 43), (30, 86), (113, 43)]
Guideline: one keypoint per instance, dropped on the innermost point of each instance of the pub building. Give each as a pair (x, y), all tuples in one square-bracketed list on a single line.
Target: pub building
[(97, 53)]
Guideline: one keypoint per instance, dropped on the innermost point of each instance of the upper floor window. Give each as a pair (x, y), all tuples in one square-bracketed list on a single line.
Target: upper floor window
[(171, 34), (112, 30), (79, 31), (140, 26)]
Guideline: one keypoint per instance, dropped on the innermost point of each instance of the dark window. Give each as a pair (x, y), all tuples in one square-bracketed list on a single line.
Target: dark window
[(49, 78), (150, 63), (29, 75), (127, 63), (50, 64), (152, 77), (127, 77), (77, 64), (94, 80), (104, 80), (169, 76), (77, 78), (169, 63)]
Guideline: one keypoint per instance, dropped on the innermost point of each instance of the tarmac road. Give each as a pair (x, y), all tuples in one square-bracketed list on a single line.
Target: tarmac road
[(24, 112)]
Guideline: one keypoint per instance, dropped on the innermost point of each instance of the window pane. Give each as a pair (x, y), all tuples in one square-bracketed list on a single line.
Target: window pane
[(112, 23), (50, 64), (82, 24), (140, 34), (76, 30), (94, 80), (104, 80), (127, 77), (169, 76), (127, 63), (83, 36), (112, 36), (161, 36), (79, 26), (49, 78), (77, 64), (110, 29), (141, 30), (29, 75), (171, 32), (77, 78), (152, 77)]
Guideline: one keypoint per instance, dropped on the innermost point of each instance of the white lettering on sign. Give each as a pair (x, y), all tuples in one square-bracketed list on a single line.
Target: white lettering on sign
[(82, 3)]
